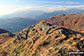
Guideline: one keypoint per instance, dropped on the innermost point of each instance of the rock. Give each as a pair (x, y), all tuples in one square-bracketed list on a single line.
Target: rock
[(44, 39)]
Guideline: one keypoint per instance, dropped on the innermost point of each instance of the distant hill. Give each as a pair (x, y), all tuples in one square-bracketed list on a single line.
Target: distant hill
[(5, 35), (3, 31), (43, 39), (16, 24), (74, 21)]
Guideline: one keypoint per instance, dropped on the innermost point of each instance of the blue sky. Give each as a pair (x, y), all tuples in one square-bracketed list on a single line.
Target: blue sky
[(40, 2), (11, 6)]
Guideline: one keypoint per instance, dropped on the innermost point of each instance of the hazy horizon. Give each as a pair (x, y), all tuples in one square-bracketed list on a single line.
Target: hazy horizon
[(9, 6)]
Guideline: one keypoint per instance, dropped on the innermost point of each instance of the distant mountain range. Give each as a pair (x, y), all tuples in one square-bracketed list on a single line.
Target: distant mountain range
[(17, 21)]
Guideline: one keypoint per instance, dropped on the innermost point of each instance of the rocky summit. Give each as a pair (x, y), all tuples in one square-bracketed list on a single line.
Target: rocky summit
[(43, 39)]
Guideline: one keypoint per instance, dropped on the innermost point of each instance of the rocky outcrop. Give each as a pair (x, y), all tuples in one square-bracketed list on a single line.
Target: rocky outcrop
[(43, 39)]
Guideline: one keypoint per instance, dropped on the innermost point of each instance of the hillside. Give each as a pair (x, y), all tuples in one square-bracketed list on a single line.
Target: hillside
[(74, 21), (5, 35), (43, 39)]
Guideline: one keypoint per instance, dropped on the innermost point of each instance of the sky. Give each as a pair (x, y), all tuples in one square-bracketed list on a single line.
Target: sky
[(12, 6)]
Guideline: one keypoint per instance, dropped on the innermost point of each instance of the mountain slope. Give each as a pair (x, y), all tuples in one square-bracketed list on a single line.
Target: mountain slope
[(43, 39), (5, 35), (73, 21)]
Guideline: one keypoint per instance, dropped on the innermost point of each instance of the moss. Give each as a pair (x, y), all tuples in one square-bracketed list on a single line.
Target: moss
[(36, 53), (15, 52), (19, 50)]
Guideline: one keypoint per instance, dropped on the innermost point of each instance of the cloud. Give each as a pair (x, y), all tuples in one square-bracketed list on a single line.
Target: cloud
[(72, 2), (8, 10), (57, 8), (59, 2)]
